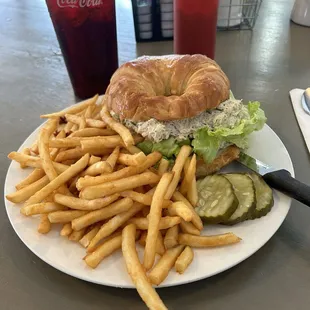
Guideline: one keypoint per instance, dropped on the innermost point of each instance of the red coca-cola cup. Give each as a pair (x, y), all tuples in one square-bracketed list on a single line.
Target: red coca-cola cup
[(195, 26), (86, 33)]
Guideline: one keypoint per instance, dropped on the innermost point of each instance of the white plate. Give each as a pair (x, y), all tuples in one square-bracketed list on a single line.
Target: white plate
[(66, 256)]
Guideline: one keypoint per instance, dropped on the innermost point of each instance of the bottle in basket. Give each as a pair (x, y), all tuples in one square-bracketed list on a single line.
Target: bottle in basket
[(86, 32)]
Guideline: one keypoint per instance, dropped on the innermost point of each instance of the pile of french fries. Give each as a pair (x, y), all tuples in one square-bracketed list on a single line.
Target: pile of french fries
[(90, 177)]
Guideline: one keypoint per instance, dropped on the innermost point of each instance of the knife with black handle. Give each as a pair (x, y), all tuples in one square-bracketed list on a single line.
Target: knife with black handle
[(280, 180)]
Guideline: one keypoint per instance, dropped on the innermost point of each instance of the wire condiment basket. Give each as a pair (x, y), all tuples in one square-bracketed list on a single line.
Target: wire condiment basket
[(238, 14)]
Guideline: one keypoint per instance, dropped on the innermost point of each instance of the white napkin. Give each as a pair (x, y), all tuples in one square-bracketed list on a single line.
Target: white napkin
[(302, 117)]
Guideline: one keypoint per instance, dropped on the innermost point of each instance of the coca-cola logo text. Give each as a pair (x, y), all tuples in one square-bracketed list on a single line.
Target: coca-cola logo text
[(78, 3)]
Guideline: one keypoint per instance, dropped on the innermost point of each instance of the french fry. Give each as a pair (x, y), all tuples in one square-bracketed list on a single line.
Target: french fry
[(180, 209), (96, 111), (72, 118), (144, 198), (93, 132), (97, 116), (208, 241), (136, 271), (151, 160), (94, 181), (77, 235), (43, 144), (98, 168), (85, 241), (66, 230), (27, 191), (192, 193), (189, 176), (44, 225), (101, 142), (75, 127), (154, 220), (171, 237), (112, 158), (113, 224), (85, 205), (189, 228), (65, 142), (184, 260), (160, 248), (177, 169), (105, 189), (177, 196), (89, 111), (54, 151), (95, 123), (94, 159), (118, 127), (41, 208), (25, 151), (73, 109), (131, 160), (163, 166), (165, 222), (34, 148), (107, 248), (77, 153), (132, 149), (60, 180), (82, 124), (34, 162), (34, 176), (102, 214), (160, 271), (65, 216), (68, 128)]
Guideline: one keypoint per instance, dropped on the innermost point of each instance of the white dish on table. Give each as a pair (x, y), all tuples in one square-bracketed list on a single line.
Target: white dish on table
[(66, 256)]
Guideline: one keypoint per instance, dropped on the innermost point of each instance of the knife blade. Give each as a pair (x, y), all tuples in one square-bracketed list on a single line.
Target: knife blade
[(278, 179), (305, 100)]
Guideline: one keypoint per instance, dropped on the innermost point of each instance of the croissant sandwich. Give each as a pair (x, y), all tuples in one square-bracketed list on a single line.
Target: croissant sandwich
[(183, 99)]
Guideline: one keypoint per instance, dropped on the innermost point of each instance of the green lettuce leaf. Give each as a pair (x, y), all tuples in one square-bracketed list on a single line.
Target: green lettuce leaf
[(205, 145), (168, 148), (208, 142), (146, 146)]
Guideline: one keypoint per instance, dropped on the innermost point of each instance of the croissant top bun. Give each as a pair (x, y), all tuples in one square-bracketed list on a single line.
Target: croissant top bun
[(167, 87)]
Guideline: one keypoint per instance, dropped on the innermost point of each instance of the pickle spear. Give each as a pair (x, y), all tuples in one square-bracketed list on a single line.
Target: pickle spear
[(216, 199), (264, 196), (244, 190)]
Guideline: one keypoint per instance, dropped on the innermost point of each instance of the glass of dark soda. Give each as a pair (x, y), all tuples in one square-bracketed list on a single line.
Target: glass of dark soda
[(86, 32)]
